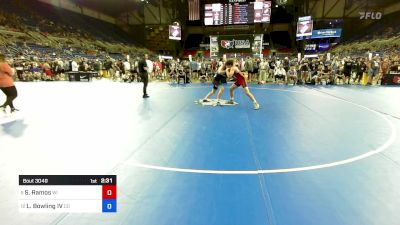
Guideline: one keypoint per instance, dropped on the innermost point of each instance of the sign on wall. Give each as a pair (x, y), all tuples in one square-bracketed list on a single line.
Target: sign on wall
[(370, 15), (235, 43)]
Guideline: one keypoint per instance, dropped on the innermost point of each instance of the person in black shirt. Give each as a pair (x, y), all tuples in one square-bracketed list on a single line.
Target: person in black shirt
[(164, 69), (218, 82), (144, 76), (364, 66), (361, 68), (313, 65), (304, 71), (348, 65)]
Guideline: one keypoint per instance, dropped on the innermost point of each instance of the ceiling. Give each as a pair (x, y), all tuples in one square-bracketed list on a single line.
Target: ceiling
[(378, 3), (114, 7), (117, 7)]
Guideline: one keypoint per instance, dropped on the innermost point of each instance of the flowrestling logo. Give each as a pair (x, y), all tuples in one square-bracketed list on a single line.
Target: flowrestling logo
[(235, 44), (370, 15)]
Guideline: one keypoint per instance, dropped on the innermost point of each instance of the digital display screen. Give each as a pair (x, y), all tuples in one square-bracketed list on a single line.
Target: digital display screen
[(304, 28), (175, 32), (237, 13)]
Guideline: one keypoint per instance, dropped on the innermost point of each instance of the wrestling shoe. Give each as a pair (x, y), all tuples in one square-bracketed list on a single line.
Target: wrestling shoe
[(256, 105), (231, 102), (14, 110)]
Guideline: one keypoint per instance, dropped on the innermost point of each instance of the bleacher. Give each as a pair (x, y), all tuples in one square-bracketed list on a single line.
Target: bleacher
[(51, 32), (50, 19), (381, 36)]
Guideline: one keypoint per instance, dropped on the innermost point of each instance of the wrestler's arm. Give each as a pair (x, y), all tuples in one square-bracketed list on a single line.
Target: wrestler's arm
[(222, 70), (231, 71), (7, 70)]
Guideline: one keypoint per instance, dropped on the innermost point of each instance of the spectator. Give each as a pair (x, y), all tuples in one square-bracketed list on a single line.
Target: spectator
[(7, 84), (374, 69), (280, 74), (263, 71), (74, 66), (292, 75)]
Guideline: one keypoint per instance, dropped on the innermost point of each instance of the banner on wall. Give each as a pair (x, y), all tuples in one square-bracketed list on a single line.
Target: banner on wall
[(235, 43), (326, 33), (214, 46), (323, 46)]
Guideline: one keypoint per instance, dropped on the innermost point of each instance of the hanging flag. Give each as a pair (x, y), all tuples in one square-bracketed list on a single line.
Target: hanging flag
[(194, 10)]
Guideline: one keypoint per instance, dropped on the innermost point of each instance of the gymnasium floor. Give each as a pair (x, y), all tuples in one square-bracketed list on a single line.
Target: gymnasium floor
[(324, 155)]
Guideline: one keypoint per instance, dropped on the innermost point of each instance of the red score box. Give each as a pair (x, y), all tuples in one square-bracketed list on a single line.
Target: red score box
[(109, 191)]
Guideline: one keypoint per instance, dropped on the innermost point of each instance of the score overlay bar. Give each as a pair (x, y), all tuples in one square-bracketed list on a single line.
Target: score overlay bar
[(67, 193)]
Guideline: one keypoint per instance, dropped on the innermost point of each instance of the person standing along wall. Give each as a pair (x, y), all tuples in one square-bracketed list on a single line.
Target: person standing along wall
[(374, 70), (262, 78), (7, 84), (143, 73)]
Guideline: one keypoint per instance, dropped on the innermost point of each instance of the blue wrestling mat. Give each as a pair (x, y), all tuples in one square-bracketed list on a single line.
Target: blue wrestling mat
[(310, 156)]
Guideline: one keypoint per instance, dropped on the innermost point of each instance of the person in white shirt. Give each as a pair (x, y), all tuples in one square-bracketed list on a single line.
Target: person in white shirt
[(136, 65), (66, 65), (241, 64), (280, 73), (278, 62), (199, 63), (127, 66), (74, 66), (149, 67), (262, 78), (126, 71), (60, 65)]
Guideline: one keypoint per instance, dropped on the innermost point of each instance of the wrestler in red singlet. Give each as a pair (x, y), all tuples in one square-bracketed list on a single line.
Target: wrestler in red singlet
[(233, 71)]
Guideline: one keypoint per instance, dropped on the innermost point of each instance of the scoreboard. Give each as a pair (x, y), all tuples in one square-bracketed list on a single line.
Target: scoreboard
[(237, 13), (67, 193)]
